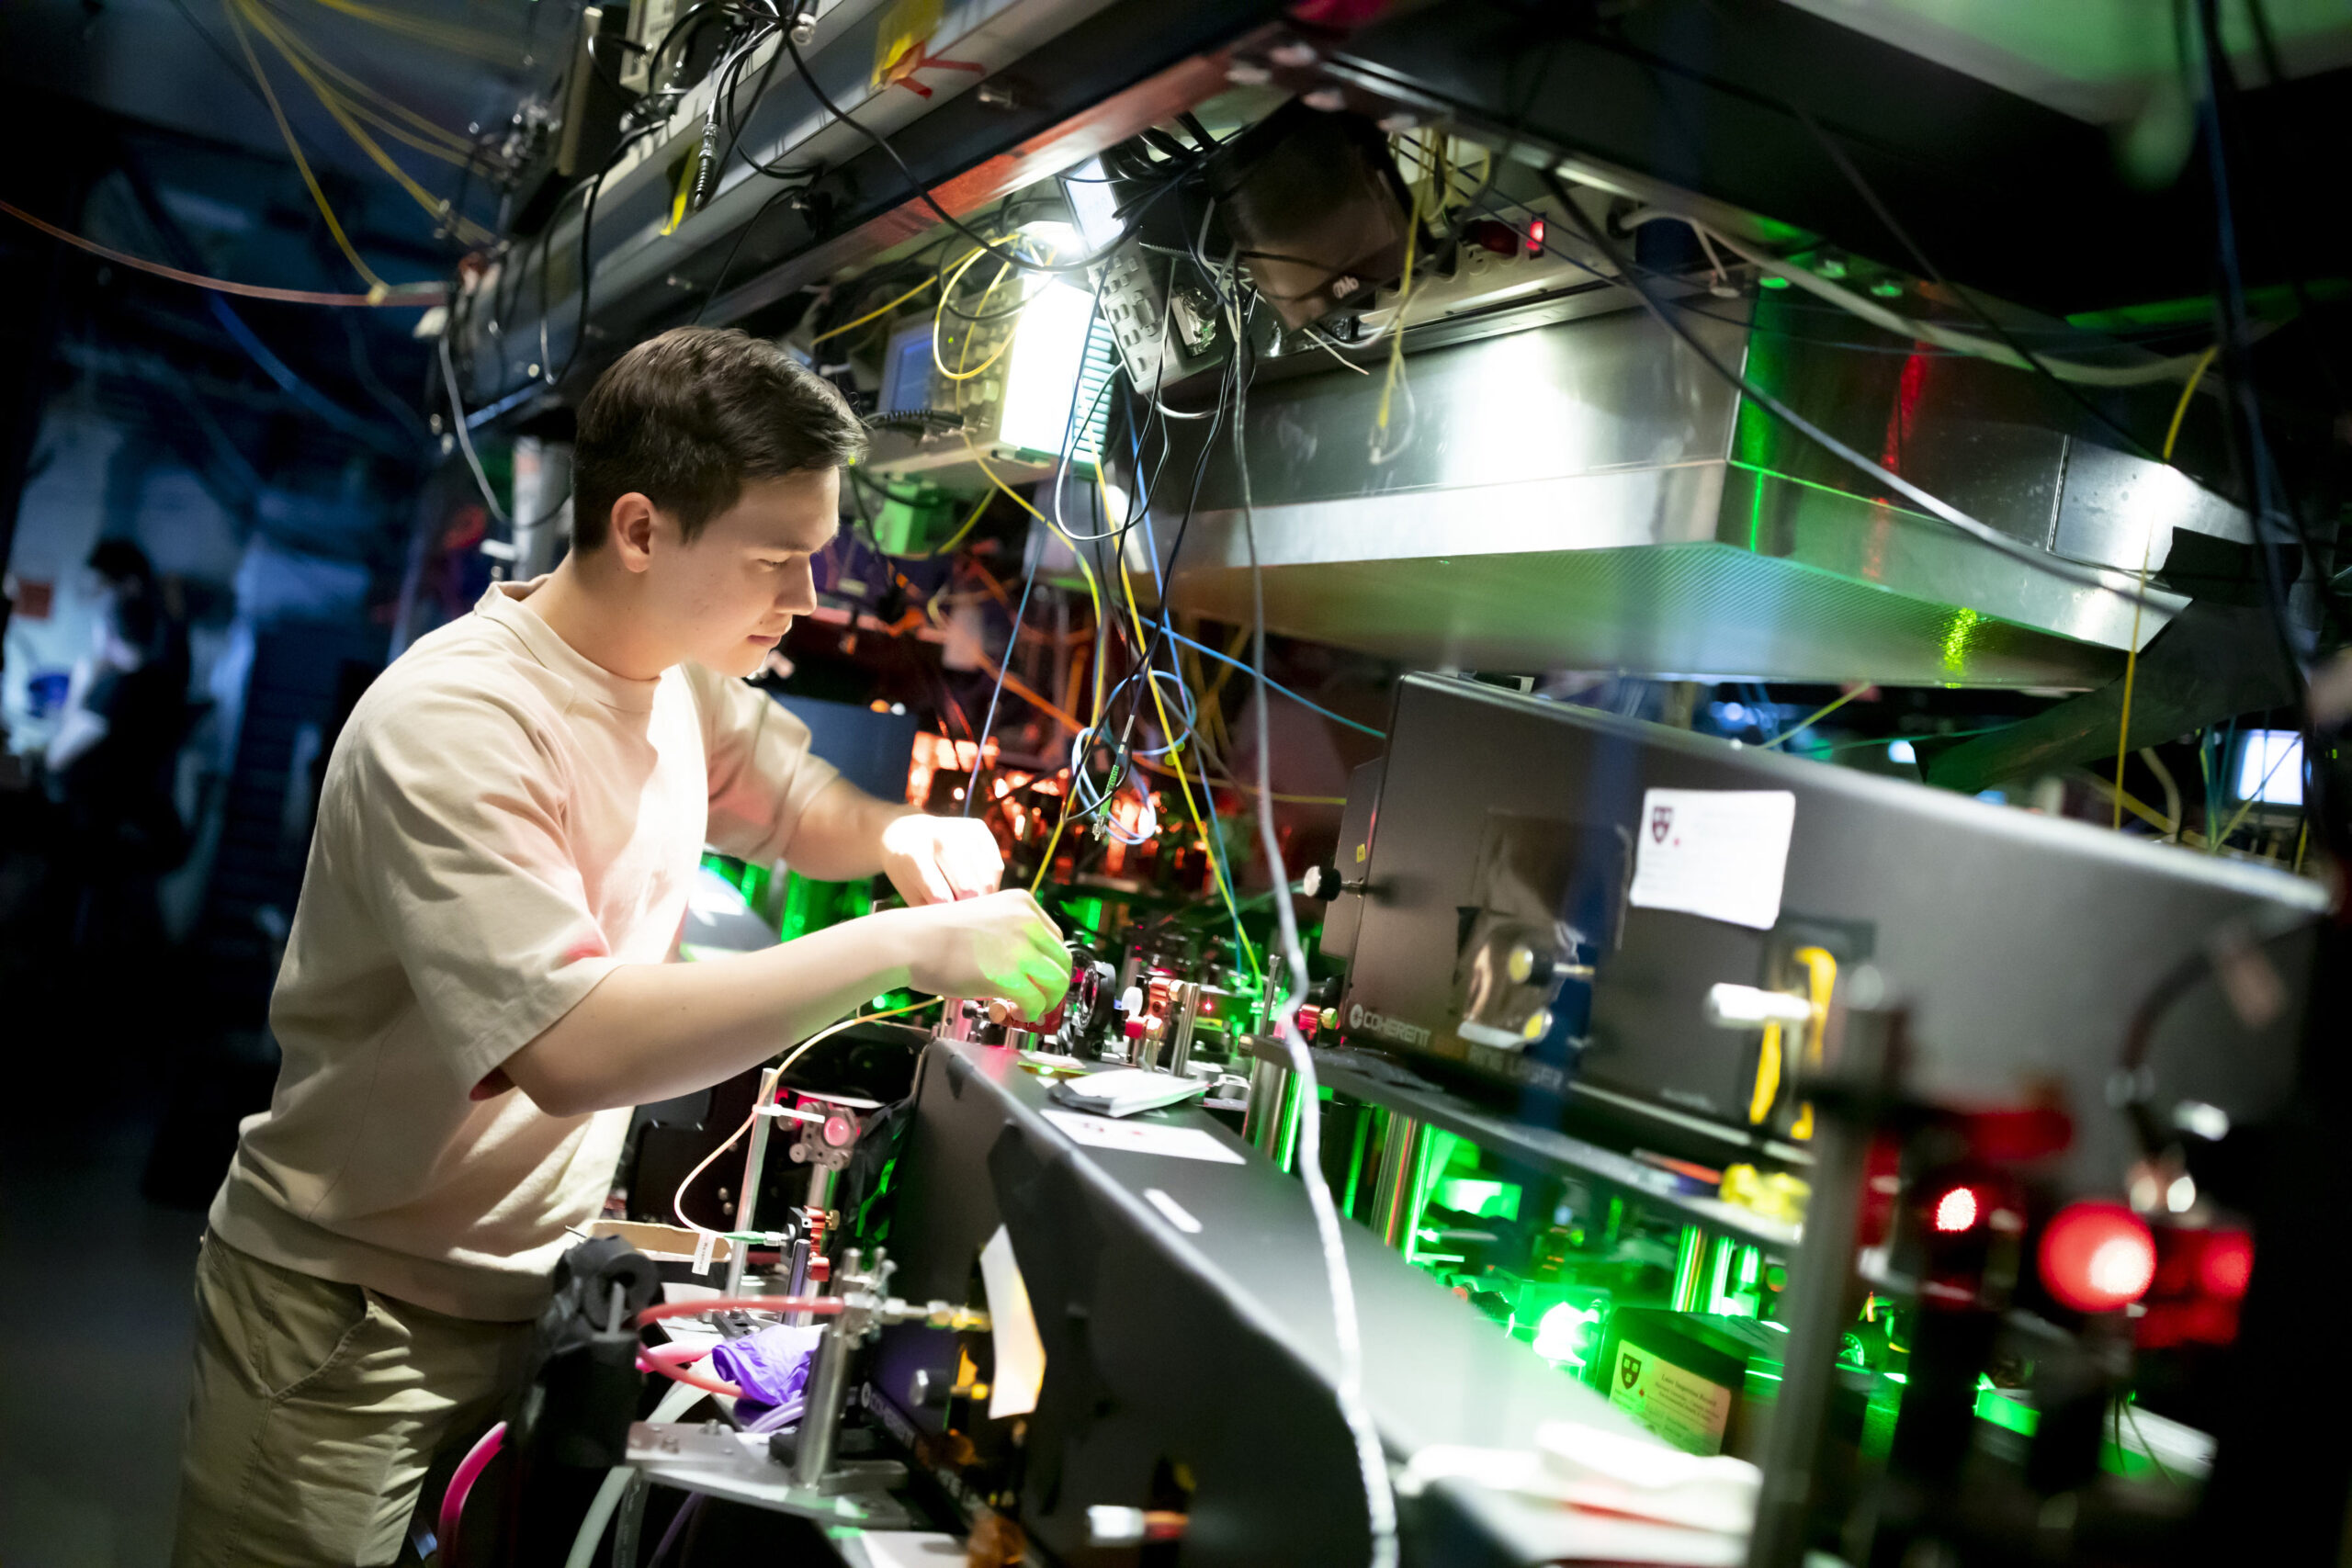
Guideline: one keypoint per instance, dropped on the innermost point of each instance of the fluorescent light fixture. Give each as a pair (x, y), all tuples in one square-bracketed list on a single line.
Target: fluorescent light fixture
[(2271, 767), (1049, 347)]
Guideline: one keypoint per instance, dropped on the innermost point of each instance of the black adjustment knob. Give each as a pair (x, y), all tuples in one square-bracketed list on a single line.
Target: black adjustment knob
[(1321, 882)]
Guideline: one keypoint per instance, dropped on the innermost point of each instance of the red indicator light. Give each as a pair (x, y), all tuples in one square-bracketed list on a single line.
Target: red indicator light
[(2097, 1257), (1534, 236), (2227, 1266), (1956, 1211)]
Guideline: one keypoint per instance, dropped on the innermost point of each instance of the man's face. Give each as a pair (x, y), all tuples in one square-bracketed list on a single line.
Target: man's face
[(727, 598)]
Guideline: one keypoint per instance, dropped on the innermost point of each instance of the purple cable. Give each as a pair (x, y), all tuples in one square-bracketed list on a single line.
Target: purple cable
[(677, 1522)]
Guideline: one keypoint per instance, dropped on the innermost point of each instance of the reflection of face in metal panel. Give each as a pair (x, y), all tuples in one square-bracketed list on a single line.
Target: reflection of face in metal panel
[(1545, 898)]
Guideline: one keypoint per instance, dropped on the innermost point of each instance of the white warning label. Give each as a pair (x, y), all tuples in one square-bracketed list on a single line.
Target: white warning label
[(1680, 1407), (1718, 853)]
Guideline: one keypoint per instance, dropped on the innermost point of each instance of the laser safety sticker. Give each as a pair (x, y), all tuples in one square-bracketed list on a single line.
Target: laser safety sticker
[(1718, 853)]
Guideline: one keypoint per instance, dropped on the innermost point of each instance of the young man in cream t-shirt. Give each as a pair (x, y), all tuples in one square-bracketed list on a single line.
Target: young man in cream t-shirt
[(476, 990)]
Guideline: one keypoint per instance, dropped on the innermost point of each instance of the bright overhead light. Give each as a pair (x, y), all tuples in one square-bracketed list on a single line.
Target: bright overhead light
[(1048, 349)]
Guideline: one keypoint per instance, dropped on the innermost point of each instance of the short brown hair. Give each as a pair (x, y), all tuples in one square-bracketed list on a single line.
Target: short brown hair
[(684, 418)]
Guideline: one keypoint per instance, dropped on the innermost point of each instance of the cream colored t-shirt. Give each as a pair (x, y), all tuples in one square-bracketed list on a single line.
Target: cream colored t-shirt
[(502, 823)]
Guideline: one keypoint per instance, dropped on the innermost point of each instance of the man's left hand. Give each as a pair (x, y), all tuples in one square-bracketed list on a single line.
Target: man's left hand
[(937, 860)]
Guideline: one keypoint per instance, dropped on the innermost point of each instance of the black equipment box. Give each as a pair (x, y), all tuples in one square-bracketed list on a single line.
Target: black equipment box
[(2020, 944), (1189, 1355)]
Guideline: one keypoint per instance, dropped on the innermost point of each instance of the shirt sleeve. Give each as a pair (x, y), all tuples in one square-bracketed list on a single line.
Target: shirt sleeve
[(762, 775), (455, 811)]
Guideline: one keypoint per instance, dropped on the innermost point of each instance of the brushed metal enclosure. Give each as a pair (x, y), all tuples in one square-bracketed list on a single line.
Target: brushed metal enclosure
[(1587, 494)]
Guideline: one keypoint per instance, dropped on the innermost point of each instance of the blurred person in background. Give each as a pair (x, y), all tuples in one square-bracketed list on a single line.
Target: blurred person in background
[(111, 764)]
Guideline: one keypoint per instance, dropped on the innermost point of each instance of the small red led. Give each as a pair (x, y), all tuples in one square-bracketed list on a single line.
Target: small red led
[(2227, 1266), (2097, 1257), (1534, 236), (1956, 1211)]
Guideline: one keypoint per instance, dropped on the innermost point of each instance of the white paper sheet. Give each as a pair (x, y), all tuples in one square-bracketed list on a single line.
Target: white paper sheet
[(1142, 1137), (1013, 1328), (1718, 853)]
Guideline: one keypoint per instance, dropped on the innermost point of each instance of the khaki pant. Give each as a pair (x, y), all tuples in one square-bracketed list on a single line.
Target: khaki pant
[(317, 1410)]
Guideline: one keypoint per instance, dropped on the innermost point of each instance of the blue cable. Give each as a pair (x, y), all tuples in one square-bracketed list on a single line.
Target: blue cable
[(1223, 863), (294, 387), (1277, 686)]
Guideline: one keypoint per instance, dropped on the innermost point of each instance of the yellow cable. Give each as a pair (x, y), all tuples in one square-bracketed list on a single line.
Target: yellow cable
[(2147, 543), (2213, 844), (302, 164), (1175, 755), (1814, 717), (2132, 804), (1230, 782), (869, 315), (993, 478), (939, 319), (433, 205), (1175, 746), (1023, 500), (1768, 1077), (2180, 409), (1047, 864), (957, 536), (441, 35), (406, 138), (424, 126), (1821, 974), (678, 202)]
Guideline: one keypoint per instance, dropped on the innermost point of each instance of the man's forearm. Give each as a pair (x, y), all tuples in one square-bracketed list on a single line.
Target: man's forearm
[(651, 1032), (838, 838)]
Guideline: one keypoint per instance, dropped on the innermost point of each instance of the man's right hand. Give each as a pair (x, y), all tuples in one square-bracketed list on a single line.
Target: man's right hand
[(998, 945)]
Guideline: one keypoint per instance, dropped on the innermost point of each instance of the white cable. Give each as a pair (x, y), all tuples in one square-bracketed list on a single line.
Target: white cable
[(2178, 369), (673, 1404), (1379, 1497), (464, 440), (1315, 335)]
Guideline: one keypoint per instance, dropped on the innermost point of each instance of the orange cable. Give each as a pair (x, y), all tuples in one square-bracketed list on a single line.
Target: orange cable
[(410, 295)]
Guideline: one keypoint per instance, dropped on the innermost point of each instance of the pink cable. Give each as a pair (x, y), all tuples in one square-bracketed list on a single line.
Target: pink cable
[(453, 1501), (670, 1360)]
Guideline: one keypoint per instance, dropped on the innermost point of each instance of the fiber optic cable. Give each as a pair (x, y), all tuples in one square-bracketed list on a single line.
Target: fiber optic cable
[(302, 164), (435, 206), (2147, 543), (441, 35), (439, 210), (393, 117), (1380, 1499), (882, 310), (413, 295), (1183, 783)]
